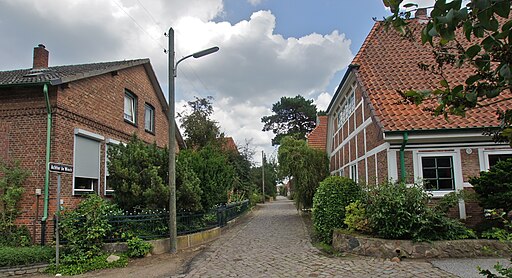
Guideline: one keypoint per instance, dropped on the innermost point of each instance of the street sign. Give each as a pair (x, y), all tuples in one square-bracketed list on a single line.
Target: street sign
[(60, 168)]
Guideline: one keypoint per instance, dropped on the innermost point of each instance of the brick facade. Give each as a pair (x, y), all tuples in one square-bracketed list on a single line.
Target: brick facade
[(93, 104)]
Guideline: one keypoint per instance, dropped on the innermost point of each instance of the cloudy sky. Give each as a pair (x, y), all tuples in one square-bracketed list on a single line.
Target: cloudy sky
[(268, 48)]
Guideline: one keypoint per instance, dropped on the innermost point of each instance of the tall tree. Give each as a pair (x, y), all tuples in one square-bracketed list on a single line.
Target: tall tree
[(306, 166), (199, 128), (291, 117), (485, 47)]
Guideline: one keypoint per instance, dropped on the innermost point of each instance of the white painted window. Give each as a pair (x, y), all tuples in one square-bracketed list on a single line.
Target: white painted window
[(149, 118), (440, 172), (86, 162), (108, 144), (348, 106), (130, 107), (491, 157)]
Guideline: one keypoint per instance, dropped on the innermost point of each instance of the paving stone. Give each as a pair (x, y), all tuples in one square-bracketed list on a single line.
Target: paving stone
[(275, 243)]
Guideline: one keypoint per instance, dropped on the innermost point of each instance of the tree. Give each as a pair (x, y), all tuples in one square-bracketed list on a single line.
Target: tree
[(270, 178), (484, 47), (138, 175), (291, 117), (306, 166), (199, 128)]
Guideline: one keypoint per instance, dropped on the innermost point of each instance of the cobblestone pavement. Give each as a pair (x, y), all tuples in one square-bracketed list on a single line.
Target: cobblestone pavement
[(274, 242)]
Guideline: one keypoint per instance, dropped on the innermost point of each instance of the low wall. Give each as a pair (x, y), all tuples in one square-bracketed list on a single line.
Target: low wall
[(385, 248), (184, 242), (22, 270)]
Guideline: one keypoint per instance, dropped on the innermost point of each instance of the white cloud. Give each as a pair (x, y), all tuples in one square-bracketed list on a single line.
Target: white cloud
[(254, 2), (252, 70), (322, 101)]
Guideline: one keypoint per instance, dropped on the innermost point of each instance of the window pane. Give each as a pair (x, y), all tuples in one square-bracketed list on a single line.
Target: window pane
[(149, 118), (429, 173), (444, 161), (445, 184), (428, 162), (494, 158), (430, 184), (85, 183), (128, 108), (444, 173)]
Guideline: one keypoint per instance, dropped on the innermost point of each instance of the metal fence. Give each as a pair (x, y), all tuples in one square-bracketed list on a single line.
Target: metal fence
[(156, 225)]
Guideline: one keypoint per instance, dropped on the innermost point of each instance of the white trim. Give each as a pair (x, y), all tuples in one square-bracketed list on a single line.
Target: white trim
[(483, 155), (88, 134), (351, 135), (373, 151), (376, 169), (392, 165), (421, 146), (437, 135), (457, 170)]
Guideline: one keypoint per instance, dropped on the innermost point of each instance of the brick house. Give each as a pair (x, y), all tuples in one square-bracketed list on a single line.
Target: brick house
[(317, 138), (86, 108), (372, 138)]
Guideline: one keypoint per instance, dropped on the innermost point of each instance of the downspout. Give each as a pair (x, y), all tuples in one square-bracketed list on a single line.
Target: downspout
[(402, 157), (47, 161)]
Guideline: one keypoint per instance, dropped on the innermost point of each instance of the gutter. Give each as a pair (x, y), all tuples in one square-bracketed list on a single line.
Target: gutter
[(47, 161), (402, 157)]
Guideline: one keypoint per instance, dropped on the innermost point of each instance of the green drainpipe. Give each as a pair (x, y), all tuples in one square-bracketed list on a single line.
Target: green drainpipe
[(47, 161), (402, 157)]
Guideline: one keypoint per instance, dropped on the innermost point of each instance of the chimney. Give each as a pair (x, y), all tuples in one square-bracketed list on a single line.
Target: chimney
[(421, 13), (40, 57)]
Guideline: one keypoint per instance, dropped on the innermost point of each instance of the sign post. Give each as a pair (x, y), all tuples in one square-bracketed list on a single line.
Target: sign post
[(58, 168)]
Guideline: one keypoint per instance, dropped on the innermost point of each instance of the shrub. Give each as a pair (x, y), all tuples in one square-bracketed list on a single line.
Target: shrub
[(12, 177), (329, 202), (16, 236), (11, 256), (138, 248), (356, 218), (398, 211), (395, 209), (85, 227), (494, 187)]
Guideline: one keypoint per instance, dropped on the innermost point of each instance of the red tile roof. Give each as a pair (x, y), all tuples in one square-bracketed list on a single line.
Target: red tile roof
[(317, 138), (386, 63)]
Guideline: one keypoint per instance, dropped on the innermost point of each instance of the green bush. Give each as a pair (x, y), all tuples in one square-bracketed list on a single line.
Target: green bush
[(394, 210), (494, 187), (15, 236), (138, 248), (329, 202), (356, 218), (14, 256), (85, 227), (398, 211), (255, 198)]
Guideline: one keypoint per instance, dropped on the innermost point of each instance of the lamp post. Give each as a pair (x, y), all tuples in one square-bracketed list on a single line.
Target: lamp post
[(172, 133)]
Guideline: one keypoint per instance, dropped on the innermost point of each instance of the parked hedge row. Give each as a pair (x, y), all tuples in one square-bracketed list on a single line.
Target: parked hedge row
[(15, 256)]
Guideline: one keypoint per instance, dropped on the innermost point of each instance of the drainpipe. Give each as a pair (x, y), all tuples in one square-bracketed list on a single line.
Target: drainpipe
[(47, 161), (402, 156)]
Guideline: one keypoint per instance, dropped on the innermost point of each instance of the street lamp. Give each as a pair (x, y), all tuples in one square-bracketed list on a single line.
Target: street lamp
[(172, 133)]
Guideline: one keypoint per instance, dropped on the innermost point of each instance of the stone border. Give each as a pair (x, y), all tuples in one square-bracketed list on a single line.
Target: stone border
[(385, 248), (21, 270)]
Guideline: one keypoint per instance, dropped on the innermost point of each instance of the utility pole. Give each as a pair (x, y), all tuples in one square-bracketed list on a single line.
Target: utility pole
[(263, 174)]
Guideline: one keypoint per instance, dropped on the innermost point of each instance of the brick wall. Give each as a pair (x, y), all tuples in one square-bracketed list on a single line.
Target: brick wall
[(94, 104)]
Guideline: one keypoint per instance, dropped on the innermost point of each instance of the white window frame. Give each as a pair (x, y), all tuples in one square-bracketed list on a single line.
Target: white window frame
[(457, 170), (149, 107), (353, 172), (92, 136), (129, 96), (484, 157)]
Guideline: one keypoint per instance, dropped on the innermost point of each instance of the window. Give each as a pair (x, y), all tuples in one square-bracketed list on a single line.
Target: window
[(353, 172), (495, 158), (86, 164), (130, 107), (348, 106), (149, 118), (438, 172), (108, 190)]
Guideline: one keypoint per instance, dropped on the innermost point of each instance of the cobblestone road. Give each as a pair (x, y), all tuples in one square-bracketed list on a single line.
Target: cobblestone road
[(274, 242)]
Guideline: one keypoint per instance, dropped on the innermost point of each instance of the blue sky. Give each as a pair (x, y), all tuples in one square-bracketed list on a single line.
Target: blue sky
[(268, 48)]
